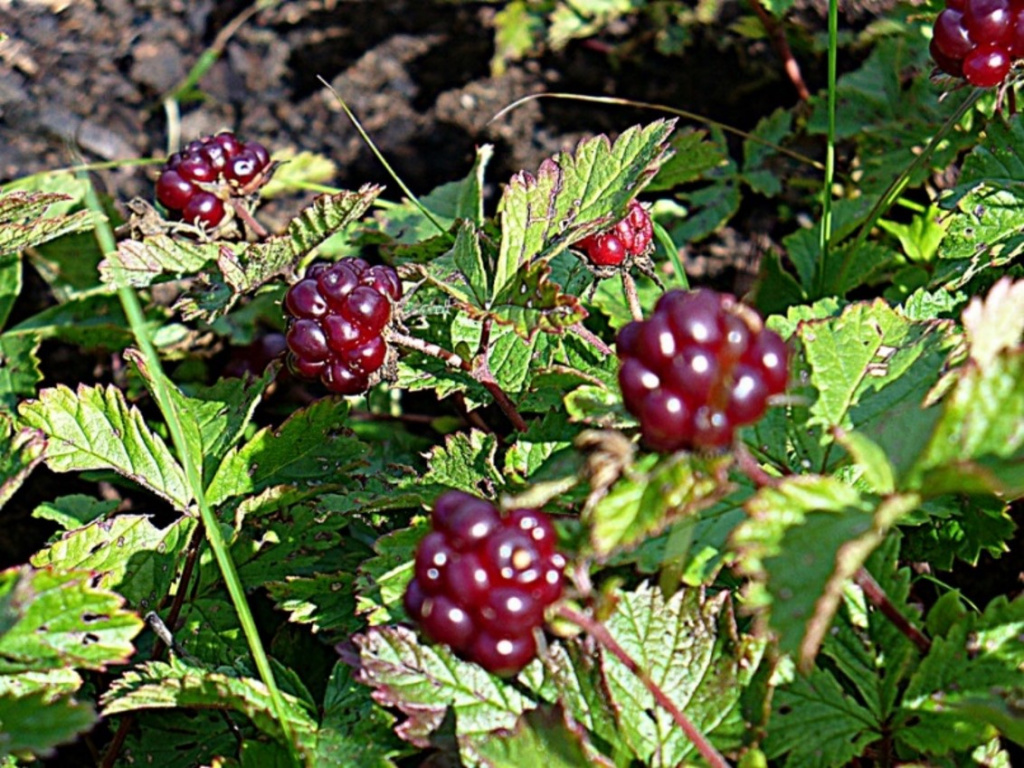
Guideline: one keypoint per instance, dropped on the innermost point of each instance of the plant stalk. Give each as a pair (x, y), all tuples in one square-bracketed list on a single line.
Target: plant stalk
[(600, 633), (161, 393)]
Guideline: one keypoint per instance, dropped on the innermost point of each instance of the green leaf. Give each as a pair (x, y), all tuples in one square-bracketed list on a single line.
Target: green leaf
[(297, 170), (91, 320), (354, 732), (423, 682), (693, 156), (243, 272), (690, 647), (140, 263), (538, 214), (19, 369), (996, 323), (816, 704), (381, 581), (921, 237), (324, 601), (20, 452), (466, 462), (772, 130), (162, 685), (126, 553), (804, 539), (969, 686), (36, 723), (531, 302), (652, 496), (873, 369), (978, 442), (180, 737), (53, 620), (24, 222), (309, 448), (541, 737), (94, 428), (462, 199)]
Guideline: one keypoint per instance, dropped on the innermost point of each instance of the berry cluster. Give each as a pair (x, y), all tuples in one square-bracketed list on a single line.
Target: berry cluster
[(338, 316), (186, 181), (483, 581), (630, 237), (702, 365), (979, 40)]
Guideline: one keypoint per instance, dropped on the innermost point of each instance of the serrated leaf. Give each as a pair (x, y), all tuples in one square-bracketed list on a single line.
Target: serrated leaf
[(921, 237), (35, 723), (693, 156), (816, 704), (381, 581), (537, 214), (422, 682), (872, 369), (531, 302), (995, 323), (542, 737), (309, 448), (24, 223), (465, 462), (90, 320), (126, 553), (19, 369), (804, 539), (20, 452), (689, 646), (324, 601), (970, 685), (180, 737), (460, 272), (771, 130), (978, 442), (162, 685), (652, 496), (95, 428), (140, 263), (296, 171), (243, 272), (350, 716), (52, 620)]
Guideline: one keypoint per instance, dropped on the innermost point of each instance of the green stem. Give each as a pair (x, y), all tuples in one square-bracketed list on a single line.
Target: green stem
[(825, 233), (161, 393)]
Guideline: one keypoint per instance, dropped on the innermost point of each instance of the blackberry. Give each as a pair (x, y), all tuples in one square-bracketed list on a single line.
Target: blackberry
[(979, 40), (483, 581), (630, 237), (701, 366), (338, 315), (195, 182)]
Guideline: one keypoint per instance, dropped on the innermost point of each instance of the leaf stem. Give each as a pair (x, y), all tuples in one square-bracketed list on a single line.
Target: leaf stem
[(481, 373), (876, 596), (825, 232), (161, 393), (600, 633), (629, 288), (591, 338), (778, 37)]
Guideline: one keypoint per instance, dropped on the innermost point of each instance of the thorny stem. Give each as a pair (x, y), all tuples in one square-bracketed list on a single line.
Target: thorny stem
[(781, 44), (126, 721), (600, 633), (629, 288), (243, 213), (877, 597), (592, 339), (482, 373)]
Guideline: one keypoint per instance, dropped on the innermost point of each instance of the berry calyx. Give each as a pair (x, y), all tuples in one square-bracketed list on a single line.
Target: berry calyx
[(698, 368), (195, 182), (482, 581), (338, 315), (630, 237)]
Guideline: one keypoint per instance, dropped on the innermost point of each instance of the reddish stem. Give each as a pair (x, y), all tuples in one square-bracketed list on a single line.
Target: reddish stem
[(778, 37), (629, 288), (593, 340), (600, 633), (877, 597), (480, 372), (243, 213)]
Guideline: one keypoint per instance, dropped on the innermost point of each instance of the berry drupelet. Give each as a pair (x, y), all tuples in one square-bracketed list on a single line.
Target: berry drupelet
[(698, 368), (338, 314), (979, 40), (630, 237), (213, 160), (483, 581)]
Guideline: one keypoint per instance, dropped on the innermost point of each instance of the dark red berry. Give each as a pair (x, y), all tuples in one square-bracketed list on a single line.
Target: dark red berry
[(698, 368), (950, 66), (204, 208), (173, 191), (988, 22), (351, 315), (483, 581), (986, 66), (951, 35), (208, 161)]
